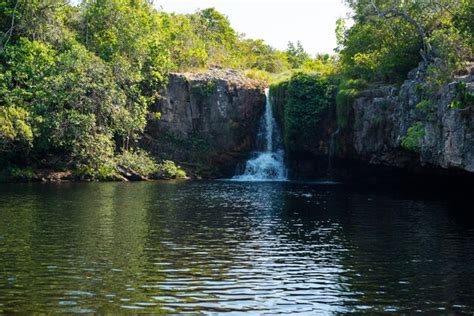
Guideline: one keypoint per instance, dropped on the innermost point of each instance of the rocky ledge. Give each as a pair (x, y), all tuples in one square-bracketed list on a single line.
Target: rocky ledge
[(441, 130), (208, 121)]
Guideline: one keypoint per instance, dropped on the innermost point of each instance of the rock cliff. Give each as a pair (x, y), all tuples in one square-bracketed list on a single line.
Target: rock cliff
[(208, 121), (411, 128), (382, 118)]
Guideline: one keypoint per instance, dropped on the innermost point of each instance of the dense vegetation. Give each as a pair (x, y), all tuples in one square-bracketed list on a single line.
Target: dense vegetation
[(77, 81), (387, 39), (308, 98)]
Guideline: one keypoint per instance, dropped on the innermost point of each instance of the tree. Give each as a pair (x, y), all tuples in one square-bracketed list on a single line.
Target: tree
[(296, 54), (16, 132), (386, 34), (255, 54), (35, 19), (214, 30), (77, 82)]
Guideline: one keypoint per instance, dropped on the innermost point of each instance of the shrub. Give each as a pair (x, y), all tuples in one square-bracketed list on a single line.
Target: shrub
[(180, 173), (168, 170), (278, 99), (258, 74), (463, 97), (15, 128), (17, 173), (415, 134), (348, 91), (139, 161), (93, 155), (309, 99), (451, 50), (427, 108), (424, 106), (204, 89), (344, 100), (375, 52)]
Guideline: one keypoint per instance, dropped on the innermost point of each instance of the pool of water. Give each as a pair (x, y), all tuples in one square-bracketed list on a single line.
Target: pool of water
[(207, 247)]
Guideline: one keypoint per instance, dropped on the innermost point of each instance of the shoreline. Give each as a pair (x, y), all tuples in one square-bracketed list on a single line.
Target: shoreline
[(49, 176)]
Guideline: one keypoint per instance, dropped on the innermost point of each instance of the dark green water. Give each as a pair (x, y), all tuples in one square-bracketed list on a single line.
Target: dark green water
[(232, 247)]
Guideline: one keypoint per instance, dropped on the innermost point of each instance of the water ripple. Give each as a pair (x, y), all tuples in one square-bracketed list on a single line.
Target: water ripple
[(212, 247)]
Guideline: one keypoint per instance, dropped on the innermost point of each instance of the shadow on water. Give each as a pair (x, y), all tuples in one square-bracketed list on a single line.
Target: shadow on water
[(278, 247)]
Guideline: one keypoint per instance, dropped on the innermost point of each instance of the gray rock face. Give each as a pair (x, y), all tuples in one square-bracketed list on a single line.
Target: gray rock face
[(207, 119), (383, 116)]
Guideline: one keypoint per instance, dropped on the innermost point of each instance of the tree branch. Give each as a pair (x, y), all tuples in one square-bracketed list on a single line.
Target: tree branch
[(10, 31), (392, 12)]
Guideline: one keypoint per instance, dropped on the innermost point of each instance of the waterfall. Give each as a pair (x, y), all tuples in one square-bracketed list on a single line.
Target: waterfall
[(267, 163)]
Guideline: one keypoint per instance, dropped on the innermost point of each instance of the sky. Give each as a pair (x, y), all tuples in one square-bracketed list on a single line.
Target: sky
[(276, 21)]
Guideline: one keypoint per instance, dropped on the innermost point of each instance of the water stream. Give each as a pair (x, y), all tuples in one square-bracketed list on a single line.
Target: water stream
[(267, 163)]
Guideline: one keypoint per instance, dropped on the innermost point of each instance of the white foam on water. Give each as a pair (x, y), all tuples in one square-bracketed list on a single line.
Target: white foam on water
[(268, 164)]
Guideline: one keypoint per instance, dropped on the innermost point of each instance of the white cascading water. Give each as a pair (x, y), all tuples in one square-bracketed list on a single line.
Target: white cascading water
[(268, 163)]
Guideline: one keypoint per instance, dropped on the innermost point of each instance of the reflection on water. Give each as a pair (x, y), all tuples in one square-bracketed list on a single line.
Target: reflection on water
[(225, 246)]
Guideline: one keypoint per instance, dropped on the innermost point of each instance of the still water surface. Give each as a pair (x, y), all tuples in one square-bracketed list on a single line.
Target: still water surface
[(209, 247)]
